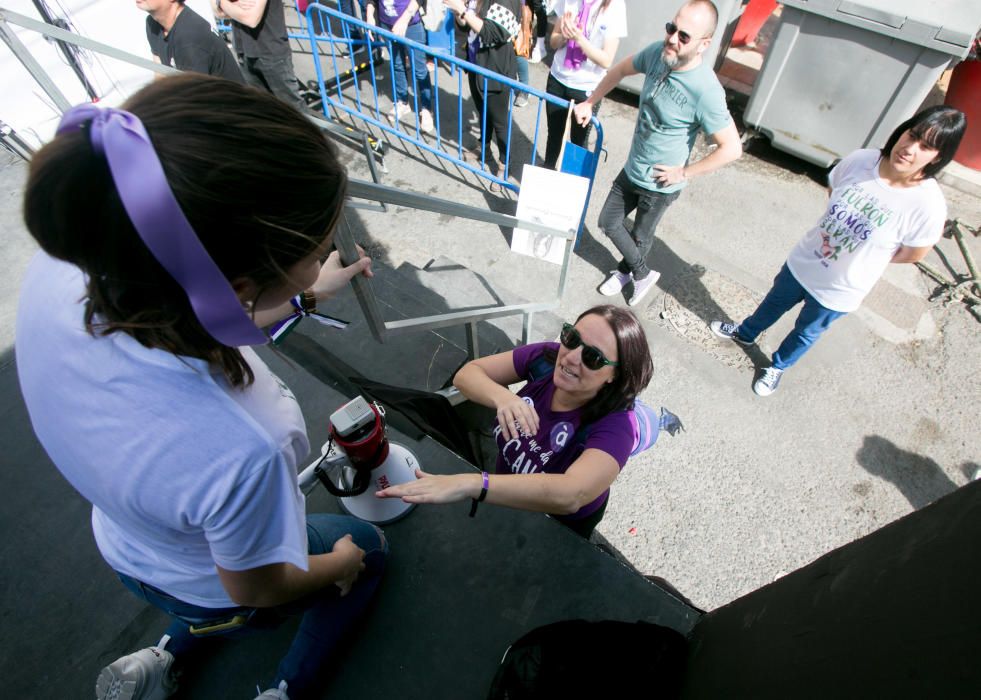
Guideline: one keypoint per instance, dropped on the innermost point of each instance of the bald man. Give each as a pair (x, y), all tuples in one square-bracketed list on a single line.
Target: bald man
[(681, 96)]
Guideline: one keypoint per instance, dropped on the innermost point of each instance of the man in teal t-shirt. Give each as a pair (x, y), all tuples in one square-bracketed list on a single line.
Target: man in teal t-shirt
[(681, 96)]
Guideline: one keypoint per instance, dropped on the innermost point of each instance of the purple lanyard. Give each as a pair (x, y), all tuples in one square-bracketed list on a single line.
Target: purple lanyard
[(157, 217)]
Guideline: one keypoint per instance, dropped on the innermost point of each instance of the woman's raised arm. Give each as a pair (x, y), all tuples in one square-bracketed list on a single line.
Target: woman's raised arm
[(485, 381)]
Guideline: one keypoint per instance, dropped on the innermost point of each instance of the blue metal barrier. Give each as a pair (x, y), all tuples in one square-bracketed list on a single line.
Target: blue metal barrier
[(354, 59)]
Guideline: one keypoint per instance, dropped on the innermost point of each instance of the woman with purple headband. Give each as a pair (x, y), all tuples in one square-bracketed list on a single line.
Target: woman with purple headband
[(171, 233)]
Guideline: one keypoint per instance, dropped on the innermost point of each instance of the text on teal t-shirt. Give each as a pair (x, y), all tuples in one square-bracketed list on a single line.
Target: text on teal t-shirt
[(674, 105)]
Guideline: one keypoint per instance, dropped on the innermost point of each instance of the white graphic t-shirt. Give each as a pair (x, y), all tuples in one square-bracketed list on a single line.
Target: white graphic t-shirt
[(867, 221), (601, 25)]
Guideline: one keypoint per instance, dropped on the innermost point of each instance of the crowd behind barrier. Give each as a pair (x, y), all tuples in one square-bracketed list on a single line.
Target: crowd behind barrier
[(353, 78)]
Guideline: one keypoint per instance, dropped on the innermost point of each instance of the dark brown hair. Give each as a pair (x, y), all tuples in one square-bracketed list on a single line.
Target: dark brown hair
[(635, 368), (257, 181)]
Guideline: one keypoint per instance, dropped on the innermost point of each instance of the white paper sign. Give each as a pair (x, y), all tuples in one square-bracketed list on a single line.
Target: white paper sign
[(553, 199)]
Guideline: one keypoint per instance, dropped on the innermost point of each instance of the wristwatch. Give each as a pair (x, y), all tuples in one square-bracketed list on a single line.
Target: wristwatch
[(308, 302)]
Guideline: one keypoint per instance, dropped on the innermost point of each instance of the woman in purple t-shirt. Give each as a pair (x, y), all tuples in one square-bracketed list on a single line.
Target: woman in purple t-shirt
[(402, 17), (565, 436)]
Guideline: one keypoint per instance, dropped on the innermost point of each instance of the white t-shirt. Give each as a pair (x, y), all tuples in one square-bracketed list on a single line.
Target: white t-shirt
[(610, 23), (867, 221), (183, 471)]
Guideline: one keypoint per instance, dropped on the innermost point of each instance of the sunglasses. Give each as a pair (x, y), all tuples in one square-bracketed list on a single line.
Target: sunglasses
[(592, 358), (683, 37)]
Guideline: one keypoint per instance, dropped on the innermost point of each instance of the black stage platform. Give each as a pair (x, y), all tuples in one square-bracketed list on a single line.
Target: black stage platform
[(457, 591)]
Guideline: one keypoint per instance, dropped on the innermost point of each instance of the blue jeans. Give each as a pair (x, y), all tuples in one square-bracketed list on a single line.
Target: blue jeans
[(424, 89), (522, 73), (633, 245), (812, 321), (326, 615)]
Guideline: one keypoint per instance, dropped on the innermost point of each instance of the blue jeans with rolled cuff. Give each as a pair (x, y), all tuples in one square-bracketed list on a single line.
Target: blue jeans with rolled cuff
[(326, 615), (812, 321), (417, 59), (634, 245)]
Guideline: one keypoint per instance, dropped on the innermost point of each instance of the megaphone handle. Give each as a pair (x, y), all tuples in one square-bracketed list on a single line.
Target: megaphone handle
[(361, 481)]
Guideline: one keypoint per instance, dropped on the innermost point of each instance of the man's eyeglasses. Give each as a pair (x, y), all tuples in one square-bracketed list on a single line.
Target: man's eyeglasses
[(683, 37), (592, 358)]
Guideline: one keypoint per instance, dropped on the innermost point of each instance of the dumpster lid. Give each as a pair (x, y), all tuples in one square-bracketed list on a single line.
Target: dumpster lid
[(946, 25)]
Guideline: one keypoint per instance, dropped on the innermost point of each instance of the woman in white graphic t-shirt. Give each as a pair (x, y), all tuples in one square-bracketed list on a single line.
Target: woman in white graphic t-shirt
[(885, 207)]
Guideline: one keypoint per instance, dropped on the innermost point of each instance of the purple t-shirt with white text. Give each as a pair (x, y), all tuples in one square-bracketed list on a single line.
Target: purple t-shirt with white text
[(389, 12), (552, 450)]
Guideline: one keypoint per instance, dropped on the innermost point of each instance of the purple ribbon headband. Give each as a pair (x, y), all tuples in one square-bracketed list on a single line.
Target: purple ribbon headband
[(157, 217)]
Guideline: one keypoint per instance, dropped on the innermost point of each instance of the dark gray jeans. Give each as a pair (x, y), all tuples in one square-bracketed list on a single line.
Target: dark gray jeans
[(633, 245), (275, 75)]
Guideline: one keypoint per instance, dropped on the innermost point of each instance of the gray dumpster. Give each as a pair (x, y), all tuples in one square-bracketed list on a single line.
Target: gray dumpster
[(645, 25), (841, 75)]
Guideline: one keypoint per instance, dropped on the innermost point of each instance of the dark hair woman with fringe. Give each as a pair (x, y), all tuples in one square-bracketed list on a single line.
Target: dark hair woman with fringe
[(885, 207), (172, 231), (565, 436)]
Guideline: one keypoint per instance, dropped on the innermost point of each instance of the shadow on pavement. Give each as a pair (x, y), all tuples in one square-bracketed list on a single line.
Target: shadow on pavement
[(918, 478)]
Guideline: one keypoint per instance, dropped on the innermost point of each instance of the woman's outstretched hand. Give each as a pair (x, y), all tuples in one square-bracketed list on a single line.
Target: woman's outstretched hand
[(516, 416), (435, 488)]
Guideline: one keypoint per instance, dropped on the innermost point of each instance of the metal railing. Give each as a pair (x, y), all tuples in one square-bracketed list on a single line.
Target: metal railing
[(355, 60), (371, 191)]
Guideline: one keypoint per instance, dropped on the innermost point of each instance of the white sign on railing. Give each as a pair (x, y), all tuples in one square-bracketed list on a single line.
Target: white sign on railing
[(552, 199)]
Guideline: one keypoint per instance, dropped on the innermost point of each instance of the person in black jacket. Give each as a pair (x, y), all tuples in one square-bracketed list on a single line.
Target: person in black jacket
[(492, 25)]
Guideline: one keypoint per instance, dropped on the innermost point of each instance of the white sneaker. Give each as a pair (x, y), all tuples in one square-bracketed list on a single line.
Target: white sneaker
[(278, 693), (426, 121), (538, 53), (142, 675), (521, 100), (642, 286), (768, 381), (399, 111), (614, 283)]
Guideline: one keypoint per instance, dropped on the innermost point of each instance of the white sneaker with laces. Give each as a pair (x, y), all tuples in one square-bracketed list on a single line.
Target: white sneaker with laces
[(642, 286), (278, 693), (521, 100), (768, 381), (727, 330), (426, 121), (399, 111), (142, 675), (614, 283)]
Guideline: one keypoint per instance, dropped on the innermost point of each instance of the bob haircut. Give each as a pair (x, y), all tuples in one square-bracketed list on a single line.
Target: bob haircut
[(635, 368), (940, 127), (258, 182)]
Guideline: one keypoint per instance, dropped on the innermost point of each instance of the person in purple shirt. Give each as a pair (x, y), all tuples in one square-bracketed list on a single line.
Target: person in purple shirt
[(401, 17), (565, 436)]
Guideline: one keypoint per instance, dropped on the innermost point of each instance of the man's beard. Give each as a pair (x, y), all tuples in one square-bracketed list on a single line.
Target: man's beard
[(670, 61)]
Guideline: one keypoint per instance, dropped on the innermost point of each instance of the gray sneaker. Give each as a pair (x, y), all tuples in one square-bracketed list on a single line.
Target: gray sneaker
[(614, 283), (768, 381), (727, 330), (142, 675), (278, 693), (642, 286)]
